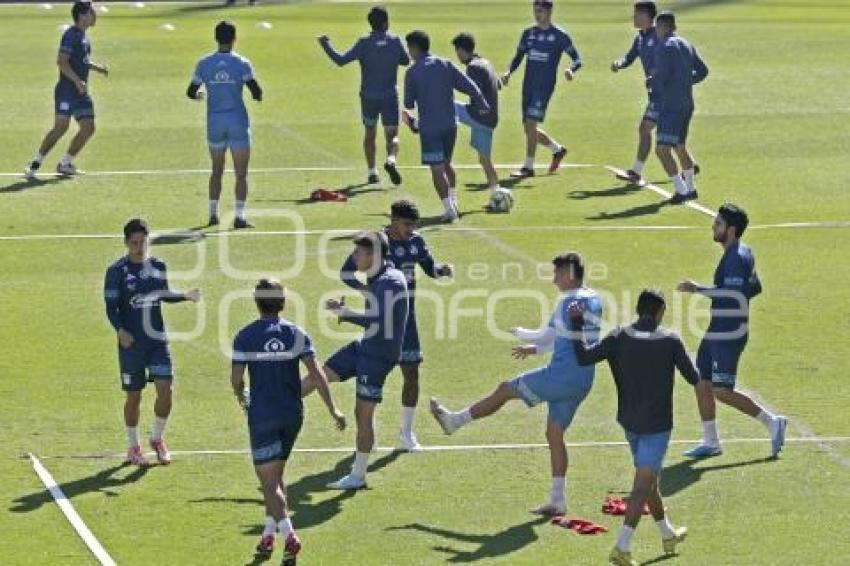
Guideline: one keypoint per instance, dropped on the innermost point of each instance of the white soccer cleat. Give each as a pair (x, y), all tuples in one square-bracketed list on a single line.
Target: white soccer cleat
[(68, 170), (549, 510), (777, 435), (450, 217), (31, 170), (409, 441), (444, 418), (348, 482)]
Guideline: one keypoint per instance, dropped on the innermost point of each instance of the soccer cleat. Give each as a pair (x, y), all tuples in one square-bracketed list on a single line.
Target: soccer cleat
[(622, 558), (265, 547), (31, 170), (630, 176), (680, 198), (240, 224), (136, 457), (549, 510), (557, 157), (522, 173), (392, 171), (777, 435), (291, 548), (696, 169), (373, 179), (68, 170), (703, 451), (163, 456), (450, 217), (409, 441), (348, 482), (443, 417), (669, 544), (213, 221)]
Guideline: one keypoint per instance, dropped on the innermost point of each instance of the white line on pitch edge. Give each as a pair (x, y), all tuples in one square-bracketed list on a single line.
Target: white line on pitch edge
[(667, 194)]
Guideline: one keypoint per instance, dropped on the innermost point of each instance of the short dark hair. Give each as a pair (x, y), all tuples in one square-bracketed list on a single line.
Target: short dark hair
[(649, 8), (464, 41), (571, 260), (404, 209), (225, 32), (373, 240), (667, 18), (269, 296), (734, 216), (420, 39), (80, 8), (135, 226), (544, 3), (650, 302), (378, 18)]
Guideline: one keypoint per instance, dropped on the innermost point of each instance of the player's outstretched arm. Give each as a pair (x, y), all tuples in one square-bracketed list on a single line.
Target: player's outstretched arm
[(340, 59), (629, 58), (347, 275), (317, 376), (100, 68), (256, 91)]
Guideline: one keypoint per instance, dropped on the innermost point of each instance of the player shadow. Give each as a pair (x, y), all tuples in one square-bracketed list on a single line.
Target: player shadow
[(189, 236), (618, 191), (660, 558), (493, 545), (26, 184), (633, 212), (103, 482), (507, 183), (349, 191), (681, 476)]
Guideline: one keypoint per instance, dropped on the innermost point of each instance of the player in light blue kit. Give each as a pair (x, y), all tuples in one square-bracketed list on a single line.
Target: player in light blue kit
[(223, 74), (563, 384)]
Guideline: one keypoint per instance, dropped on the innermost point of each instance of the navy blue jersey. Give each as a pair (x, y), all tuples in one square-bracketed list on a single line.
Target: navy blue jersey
[(429, 85), (133, 293), (677, 69), (386, 314), (380, 54), (75, 44), (735, 283), (543, 48), (643, 47), (273, 348)]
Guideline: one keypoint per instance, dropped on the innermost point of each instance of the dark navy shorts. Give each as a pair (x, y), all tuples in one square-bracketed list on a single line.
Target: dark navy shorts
[(652, 111), (411, 350), (371, 373), (386, 108), (717, 361), (69, 102), (273, 441), (142, 363), (437, 147), (535, 103), (673, 126)]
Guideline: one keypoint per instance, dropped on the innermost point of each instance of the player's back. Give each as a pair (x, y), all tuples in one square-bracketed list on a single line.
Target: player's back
[(677, 56), (224, 74), (484, 76), (433, 79), (564, 357), (380, 55)]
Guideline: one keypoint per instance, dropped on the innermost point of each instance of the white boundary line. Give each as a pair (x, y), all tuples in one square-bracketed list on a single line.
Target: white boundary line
[(667, 194), (70, 513)]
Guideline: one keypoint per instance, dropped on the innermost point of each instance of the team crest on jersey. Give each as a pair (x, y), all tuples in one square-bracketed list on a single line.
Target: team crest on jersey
[(551, 37), (399, 251), (414, 250), (274, 345), (650, 42)]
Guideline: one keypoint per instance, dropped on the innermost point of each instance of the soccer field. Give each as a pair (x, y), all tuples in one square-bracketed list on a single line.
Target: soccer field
[(771, 133)]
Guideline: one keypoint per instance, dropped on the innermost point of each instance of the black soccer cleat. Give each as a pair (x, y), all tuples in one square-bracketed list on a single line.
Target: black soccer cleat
[(522, 173), (213, 221), (392, 171), (679, 198), (373, 179), (240, 224)]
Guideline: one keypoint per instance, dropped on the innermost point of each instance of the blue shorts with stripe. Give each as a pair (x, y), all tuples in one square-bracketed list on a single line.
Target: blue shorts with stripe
[(535, 103), (673, 126), (386, 108), (552, 386), (69, 102), (437, 146), (411, 349), (144, 362), (717, 361), (370, 373), (272, 442)]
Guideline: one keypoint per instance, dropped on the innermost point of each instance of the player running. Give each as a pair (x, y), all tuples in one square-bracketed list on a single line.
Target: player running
[(380, 54), (134, 289), (643, 358), (271, 348), (563, 384), (407, 250), (677, 69), (370, 359), (223, 74), (735, 285), (543, 43), (72, 95), (429, 86)]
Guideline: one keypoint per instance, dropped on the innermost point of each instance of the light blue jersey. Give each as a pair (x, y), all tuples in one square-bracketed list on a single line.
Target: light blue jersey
[(223, 75), (563, 355)]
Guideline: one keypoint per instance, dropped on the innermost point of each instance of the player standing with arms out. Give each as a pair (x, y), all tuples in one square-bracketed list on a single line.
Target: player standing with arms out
[(643, 358), (407, 250), (370, 359), (134, 289), (72, 95), (563, 384), (271, 349), (481, 124), (380, 54), (543, 44), (735, 285), (223, 74), (677, 69), (429, 86)]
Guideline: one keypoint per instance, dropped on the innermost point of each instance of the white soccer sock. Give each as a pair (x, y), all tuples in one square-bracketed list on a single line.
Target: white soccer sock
[(38, 158), (67, 159), (710, 434), (373, 171), (284, 526), (765, 417), (391, 159), (494, 188), (555, 147), (453, 195), (624, 539), (361, 461), (240, 209), (638, 166), (666, 528), (407, 414), (558, 493), (448, 205), (688, 175), (132, 436), (529, 162), (213, 208), (679, 184), (270, 527), (158, 427)]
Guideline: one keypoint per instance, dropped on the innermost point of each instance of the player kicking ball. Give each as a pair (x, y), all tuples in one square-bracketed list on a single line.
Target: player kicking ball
[(134, 289), (72, 95), (271, 349), (563, 384)]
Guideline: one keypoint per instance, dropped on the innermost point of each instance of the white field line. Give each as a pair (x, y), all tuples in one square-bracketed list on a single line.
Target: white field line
[(667, 194), (70, 513)]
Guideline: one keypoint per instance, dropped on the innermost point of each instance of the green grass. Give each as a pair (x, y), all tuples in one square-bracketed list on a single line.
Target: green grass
[(771, 133)]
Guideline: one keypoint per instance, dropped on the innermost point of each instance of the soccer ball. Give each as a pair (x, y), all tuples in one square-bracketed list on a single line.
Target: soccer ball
[(502, 200)]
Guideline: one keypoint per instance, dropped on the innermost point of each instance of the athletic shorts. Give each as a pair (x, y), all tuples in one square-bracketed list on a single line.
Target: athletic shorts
[(228, 130), (717, 360), (386, 108), (273, 442), (142, 363), (411, 350), (648, 450), (534, 104), (371, 373), (437, 147), (552, 386), (482, 136), (652, 111), (69, 102), (673, 126)]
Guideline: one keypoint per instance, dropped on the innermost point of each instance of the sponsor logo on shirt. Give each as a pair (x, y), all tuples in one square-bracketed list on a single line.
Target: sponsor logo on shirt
[(274, 345)]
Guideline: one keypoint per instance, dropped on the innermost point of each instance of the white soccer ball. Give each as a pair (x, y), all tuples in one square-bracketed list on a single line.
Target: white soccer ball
[(502, 200)]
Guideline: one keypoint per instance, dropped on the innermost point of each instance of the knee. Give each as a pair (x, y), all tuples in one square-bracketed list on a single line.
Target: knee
[(662, 151), (134, 399), (87, 128), (505, 389), (722, 394)]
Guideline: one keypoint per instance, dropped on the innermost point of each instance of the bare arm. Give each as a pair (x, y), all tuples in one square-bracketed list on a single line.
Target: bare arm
[(318, 377), (237, 381), (64, 63)]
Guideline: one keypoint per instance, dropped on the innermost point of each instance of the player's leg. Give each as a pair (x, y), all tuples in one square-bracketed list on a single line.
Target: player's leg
[(687, 163), (529, 126), (389, 118), (158, 363), (449, 138), (341, 366), (84, 134), (710, 445), (411, 358), (240, 149), (132, 366), (672, 130), (60, 126), (645, 127), (370, 134), (218, 152), (670, 535), (557, 503), (538, 113)]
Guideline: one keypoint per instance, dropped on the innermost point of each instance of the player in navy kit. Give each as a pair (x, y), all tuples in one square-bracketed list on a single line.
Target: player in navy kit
[(134, 289)]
